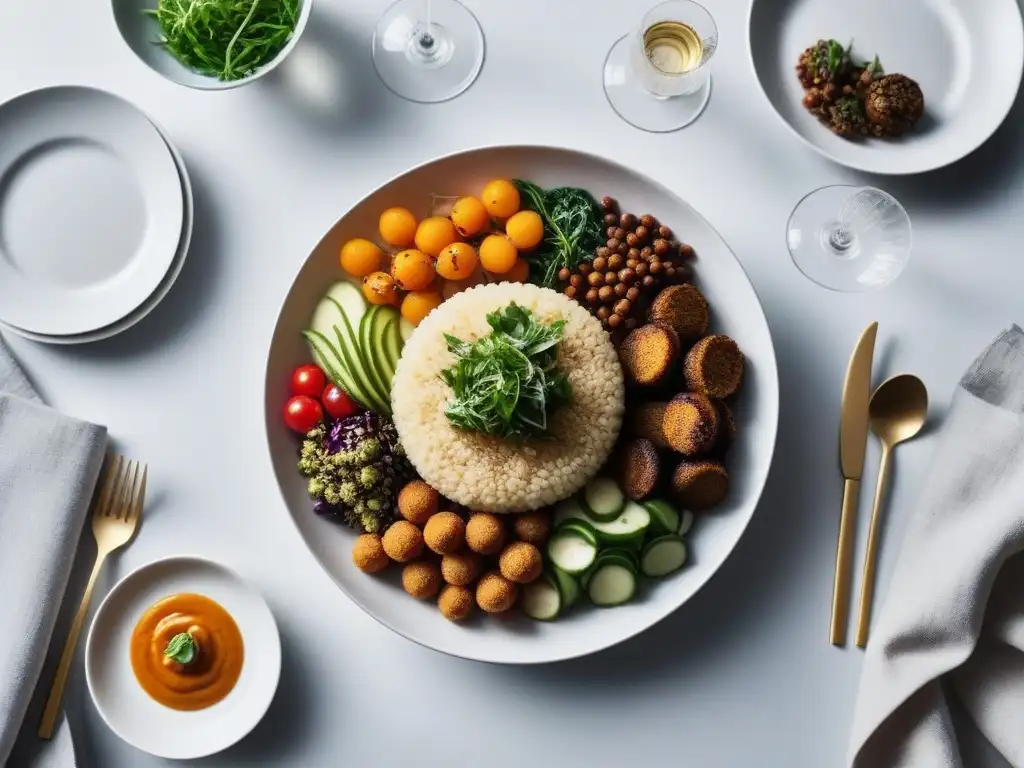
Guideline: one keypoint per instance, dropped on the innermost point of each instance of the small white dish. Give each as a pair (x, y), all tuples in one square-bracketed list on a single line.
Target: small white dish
[(161, 291), (130, 712), (967, 56), (142, 34), (91, 210)]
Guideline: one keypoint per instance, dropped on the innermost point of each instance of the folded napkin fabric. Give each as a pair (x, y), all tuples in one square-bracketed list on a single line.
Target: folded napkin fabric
[(48, 469), (952, 624)]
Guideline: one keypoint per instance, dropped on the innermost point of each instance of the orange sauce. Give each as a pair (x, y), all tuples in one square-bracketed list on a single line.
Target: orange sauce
[(215, 670)]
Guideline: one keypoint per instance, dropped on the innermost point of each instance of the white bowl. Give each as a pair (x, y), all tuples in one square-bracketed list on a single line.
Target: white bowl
[(735, 310), (142, 34), (967, 55), (129, 710)]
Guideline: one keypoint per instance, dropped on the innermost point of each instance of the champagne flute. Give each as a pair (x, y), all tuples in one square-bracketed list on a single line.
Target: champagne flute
[(849, 238), (658, 78), (428, 50)]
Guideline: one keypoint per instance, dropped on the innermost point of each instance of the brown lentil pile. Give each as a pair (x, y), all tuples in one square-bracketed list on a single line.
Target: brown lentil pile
[(640, 257)]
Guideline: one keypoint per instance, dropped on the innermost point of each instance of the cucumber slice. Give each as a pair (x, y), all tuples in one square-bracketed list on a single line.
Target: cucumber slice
[(568, 587), (391, 342), (664, 517), (542, 599), (371, 354), (571, 552), (686, 519), (633, 521), (611, 584), (622, 556), (569, 509), (333, 364), (581, 527), (350, 298), (405, 329), (347, 343), (663, 556), (603, 500)]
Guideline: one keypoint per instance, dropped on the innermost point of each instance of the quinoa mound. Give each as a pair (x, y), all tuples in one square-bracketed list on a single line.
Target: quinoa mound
[(486, 473)]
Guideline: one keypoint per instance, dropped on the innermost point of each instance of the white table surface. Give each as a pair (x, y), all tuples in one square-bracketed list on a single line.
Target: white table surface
[(743, 675)]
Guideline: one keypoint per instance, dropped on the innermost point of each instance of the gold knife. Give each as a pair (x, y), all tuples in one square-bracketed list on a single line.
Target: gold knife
[(853, 438)]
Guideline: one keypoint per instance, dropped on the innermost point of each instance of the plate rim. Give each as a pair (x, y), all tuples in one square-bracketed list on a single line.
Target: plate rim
[(134, 574), (160, 292), (774, 400), (870, 167), (54, 90)]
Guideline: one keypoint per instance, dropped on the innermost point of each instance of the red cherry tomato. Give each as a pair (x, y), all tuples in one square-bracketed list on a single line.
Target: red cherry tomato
[(302, 413), (337, 403), (308, 380)]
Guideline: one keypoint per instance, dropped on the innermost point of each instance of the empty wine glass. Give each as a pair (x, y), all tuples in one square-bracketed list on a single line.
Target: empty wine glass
[(849, 238), (658, 78), (428, 50)]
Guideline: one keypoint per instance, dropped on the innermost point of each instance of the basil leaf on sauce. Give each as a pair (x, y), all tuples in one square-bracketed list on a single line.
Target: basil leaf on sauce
[(182, 648)]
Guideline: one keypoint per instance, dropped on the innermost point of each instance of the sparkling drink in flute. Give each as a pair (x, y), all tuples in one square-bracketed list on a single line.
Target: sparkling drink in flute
[(428, 50)]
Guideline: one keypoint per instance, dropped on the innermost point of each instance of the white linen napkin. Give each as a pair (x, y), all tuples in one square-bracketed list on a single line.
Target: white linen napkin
[(953, 621), (48, 469)]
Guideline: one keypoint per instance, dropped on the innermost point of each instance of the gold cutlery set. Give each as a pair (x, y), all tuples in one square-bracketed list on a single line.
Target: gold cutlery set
[(895, 413)]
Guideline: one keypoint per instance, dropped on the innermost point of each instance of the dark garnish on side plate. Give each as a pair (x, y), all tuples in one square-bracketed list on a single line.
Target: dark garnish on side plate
[(848, 97)]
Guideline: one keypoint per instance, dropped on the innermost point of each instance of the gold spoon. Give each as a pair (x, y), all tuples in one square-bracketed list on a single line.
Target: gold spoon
[(898, 409)]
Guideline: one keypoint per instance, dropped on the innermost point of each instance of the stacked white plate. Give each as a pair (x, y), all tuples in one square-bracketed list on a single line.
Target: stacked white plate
[(95, 215)]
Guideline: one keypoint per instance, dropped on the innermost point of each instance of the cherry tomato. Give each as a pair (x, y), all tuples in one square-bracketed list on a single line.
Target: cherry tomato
[(337, 403), (302, 413), (308, 380)]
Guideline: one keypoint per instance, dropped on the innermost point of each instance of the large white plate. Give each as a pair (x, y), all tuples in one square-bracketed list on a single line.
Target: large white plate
[(736, 311), (161, 291), (967, 55), (91, 210), (136, 717)]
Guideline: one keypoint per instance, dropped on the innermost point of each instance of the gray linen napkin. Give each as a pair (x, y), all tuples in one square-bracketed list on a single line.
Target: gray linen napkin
[(953, 620), (48, 469)]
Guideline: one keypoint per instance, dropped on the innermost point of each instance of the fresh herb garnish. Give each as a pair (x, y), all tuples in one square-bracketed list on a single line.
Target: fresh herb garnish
[(835, 56), (507, 384), (227, 39), (850, 107), (874, 66), (182, 648), (572, 229)]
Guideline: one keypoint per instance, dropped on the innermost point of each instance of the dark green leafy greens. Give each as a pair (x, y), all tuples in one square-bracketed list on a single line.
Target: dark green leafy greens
[(181, 649), (507, 384), (227, 39), (572, 229)]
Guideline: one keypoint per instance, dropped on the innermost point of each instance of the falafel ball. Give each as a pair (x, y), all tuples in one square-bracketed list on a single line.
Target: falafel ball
[(456, 603), (648, 353), (445, 533), (683, 309), (495, 593), (894, 103), (690, 424), (403, 541), (726, 426), (533, 527), (368, 553), (485, 533), (461, 568), (520, 562), (421, 579), (639, 468), (648, 421), (418, 502), (714, 366), (700, 485)]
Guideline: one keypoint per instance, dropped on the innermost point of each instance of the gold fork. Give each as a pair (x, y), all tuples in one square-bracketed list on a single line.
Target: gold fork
[(114, 520)]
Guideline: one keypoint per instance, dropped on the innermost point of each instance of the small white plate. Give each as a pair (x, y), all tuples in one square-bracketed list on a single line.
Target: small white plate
[(129, 710), (967, 56), (157, 296), (91, 210)]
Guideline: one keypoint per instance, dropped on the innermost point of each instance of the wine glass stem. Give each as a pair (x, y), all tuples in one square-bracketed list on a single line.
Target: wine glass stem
[(840, 238)]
